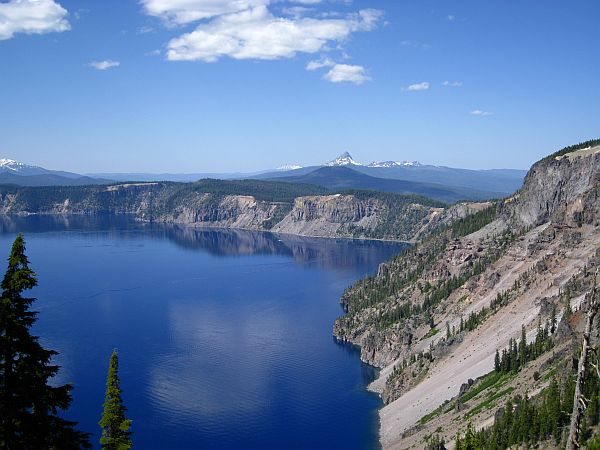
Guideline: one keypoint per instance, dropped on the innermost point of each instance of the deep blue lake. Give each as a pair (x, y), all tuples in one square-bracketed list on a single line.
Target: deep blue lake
[(224, 337)]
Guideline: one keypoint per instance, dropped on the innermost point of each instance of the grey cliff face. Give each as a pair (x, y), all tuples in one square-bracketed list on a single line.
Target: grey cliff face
[(554, 183)]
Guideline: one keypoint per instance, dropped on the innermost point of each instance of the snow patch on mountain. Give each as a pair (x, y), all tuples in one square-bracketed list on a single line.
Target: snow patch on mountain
[(289, 167), (10, 165), (395, 164)]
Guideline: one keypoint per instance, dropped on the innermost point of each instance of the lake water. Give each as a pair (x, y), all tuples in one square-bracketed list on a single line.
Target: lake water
[(224, 337)]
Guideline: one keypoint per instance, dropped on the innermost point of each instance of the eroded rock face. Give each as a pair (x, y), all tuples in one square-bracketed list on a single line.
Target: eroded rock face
[(231, 211), (333, 215), (342, 209)]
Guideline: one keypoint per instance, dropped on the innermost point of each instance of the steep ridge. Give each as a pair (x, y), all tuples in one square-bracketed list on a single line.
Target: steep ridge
[(434, 317)]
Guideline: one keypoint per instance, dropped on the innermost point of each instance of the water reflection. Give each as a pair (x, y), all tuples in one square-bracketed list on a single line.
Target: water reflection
[(323, 252)]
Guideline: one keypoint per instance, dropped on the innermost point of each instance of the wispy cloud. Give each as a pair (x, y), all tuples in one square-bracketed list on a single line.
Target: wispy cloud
[(415, 44), (144, 30), (104, 65), (346, 73), (452, 83), (180, 12), (32, 17), (319, 64), (422, 86), (450, 18), (480, 113)]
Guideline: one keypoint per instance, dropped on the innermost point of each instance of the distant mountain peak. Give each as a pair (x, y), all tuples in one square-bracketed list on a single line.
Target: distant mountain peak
[(395, 164), (7, 164), (345, 159), (287, 167)]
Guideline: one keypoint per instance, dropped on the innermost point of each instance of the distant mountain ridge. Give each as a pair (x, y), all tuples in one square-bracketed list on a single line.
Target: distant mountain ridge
[(344, 177), (490, 183), (21, 174)]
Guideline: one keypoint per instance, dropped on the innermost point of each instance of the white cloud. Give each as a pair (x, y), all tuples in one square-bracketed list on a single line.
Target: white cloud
[(104, 65), (256, 33), (423, 86), (341, 73), (319, 64), (451, 18), (480, 113), (452, 83), (32, 17), (179, 12)]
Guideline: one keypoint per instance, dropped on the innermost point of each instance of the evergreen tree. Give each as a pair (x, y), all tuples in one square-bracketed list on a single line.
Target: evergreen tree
[(523, 347), (497, 364), (553, 320), (115, 426), (28, 404)]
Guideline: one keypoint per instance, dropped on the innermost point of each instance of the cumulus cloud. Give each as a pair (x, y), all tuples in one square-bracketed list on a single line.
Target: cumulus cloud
[(480, 113), (341, 73), (423, 86), (32, 17), (104, 65), (452, 83), (256, 33)]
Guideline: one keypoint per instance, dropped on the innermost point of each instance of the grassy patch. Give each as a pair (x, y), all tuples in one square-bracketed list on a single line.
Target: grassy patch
[(488, 401), (492, 379), (431, 333), (436, 412), (550, 374), (488, 381)]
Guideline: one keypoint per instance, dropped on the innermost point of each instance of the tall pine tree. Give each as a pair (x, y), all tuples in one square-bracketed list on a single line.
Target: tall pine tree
[(115, 426), (29, 405)]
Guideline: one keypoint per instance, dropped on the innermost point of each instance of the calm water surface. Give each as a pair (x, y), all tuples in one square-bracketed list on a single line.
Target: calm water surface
[(224, 337)]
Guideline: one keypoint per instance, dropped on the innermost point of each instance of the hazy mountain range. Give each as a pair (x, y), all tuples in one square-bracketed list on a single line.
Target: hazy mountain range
[(344, 172)]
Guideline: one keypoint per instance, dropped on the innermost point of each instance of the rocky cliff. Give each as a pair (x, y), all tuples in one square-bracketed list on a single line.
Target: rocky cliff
[(555, 183), (434, 316)]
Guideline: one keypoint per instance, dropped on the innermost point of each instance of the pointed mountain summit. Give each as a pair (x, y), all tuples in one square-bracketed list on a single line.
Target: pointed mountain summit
[(345, 159)]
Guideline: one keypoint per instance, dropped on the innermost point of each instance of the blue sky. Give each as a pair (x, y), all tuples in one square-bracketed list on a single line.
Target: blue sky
[(215, 86)]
